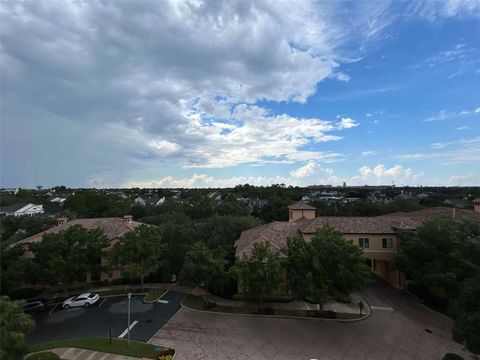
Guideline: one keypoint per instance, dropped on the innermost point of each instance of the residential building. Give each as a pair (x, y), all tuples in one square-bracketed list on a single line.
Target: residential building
[(376, 235), (113, 228), (150, 201), (22, 209), (215, 196)]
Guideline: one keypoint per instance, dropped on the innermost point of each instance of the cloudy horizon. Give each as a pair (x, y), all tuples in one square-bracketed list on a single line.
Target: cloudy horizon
[(216, 94)]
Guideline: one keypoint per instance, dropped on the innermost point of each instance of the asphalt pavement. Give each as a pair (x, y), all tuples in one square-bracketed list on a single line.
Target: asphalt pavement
[(108, 313)]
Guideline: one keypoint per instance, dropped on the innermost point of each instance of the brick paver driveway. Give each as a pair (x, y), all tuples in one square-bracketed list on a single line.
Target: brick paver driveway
[(395, 330)]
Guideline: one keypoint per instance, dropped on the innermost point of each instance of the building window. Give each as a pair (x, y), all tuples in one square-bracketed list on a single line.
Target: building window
[(364, 243), (387, 243)]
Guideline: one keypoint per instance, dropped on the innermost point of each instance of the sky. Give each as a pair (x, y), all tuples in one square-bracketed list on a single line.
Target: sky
[(215, 94)]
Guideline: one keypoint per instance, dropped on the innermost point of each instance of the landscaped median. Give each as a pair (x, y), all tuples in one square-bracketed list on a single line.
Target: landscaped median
[(154, 294), (117, 346), (199, 303)]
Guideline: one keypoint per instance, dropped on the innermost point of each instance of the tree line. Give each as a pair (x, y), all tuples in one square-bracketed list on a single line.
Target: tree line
[(443, 258)]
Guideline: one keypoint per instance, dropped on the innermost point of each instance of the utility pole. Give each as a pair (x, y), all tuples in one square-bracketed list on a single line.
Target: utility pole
[(128, 326)]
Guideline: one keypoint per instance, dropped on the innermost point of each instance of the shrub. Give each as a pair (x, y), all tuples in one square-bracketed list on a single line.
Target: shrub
[(44, 355), (166, 354), (25, 293)]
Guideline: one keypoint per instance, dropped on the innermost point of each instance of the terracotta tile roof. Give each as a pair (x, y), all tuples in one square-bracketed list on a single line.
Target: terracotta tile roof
[(275, 233), (420, 216), (301, 206), (112, 227), (350, 225)]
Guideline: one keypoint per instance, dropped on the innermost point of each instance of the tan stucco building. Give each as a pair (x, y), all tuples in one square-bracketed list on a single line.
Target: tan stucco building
[(376, 235), (113, 228)]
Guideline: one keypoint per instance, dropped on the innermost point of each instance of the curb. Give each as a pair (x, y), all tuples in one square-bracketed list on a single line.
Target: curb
[(154, 301), (419, 302), (282, 316)]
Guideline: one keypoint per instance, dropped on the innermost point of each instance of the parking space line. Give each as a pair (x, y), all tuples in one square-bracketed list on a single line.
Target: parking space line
[(102, 302), (129, 328), (51, 311)]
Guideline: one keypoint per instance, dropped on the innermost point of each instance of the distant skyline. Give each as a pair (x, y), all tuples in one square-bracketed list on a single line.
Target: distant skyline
[(216, 94)]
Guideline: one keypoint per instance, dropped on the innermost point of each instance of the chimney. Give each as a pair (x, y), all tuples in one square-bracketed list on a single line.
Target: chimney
[(62, 220), (128, 219), (454, 213)]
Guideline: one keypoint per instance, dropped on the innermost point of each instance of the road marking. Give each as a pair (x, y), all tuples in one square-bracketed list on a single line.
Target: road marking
[(126, 330), (381, 308), (162, 301), (50, 312), (102, 302)]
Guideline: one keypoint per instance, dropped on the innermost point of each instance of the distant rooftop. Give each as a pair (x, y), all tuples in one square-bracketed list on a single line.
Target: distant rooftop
[(301, 206)]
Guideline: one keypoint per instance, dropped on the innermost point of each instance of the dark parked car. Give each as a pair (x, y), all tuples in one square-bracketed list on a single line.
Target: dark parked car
[(34, 306)]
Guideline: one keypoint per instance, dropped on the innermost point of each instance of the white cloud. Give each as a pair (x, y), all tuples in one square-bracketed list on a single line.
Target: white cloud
[(341, 76), (173, 82), (462, 128), (380, 174), (461, 151), (204, 181), (312, 174), (434, 10), (464, 180), (369, 153), (457, 60), (304, 171), (444, 115), (346, 123)]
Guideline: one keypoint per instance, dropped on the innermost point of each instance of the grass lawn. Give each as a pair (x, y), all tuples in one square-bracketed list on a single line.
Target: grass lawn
[(154, 294), (118, 346), (198, 303)]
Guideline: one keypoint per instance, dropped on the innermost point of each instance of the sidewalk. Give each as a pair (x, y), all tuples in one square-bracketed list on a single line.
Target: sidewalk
[(330, 305), (166, 286), (82, 354)]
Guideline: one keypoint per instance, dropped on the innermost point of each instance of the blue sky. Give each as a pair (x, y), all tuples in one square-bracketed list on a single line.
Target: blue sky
[(207, 94)]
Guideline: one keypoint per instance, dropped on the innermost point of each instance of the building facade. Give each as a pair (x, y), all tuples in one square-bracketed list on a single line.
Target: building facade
[(22, 210), (377, 236), (113, 228)]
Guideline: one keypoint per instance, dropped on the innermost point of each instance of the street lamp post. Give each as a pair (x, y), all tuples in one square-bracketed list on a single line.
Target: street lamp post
[(128, 326)]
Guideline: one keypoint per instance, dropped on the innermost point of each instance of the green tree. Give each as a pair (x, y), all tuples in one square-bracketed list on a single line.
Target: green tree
[(298, 266), (337, 264), (67, 256), (442, 254), (14, 324), (275, 209), (233, 207), (207, 265), (13, 229), (327, 265), (139, 252), (260, 274), (13, 268), (90, 203), (466, 315)]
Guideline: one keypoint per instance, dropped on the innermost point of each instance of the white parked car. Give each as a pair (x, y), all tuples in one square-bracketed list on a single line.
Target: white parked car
[(85, 300)]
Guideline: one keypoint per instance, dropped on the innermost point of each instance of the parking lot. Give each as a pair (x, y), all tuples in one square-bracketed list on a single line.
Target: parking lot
[(107, 313), (399, 328)]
